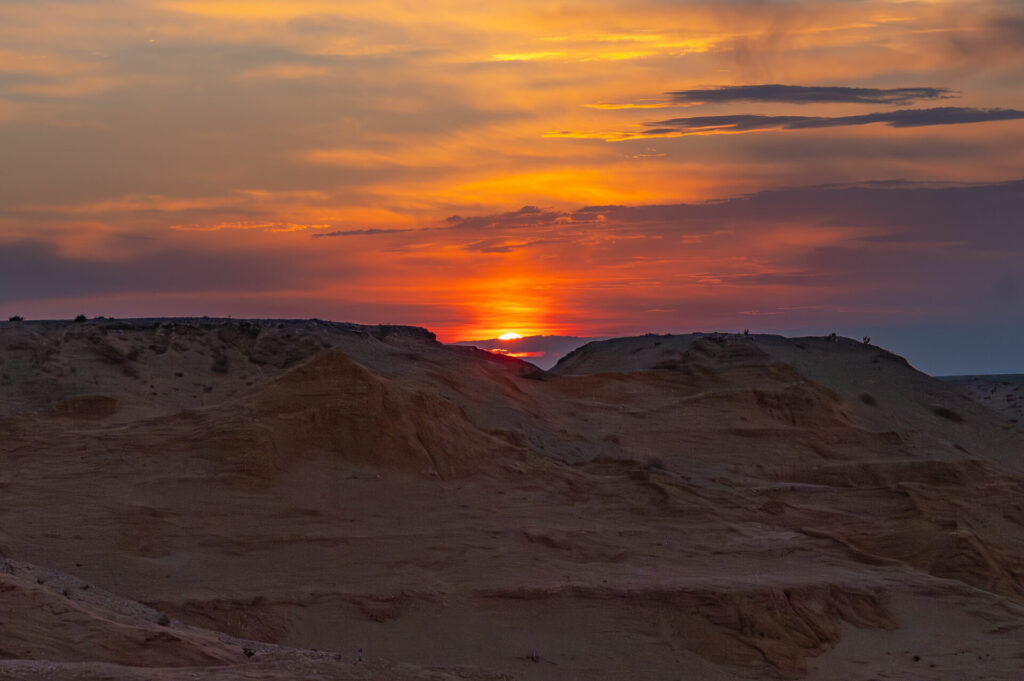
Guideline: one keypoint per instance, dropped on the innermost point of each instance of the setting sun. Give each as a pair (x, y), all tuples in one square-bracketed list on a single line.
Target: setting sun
[(594, 170), (262, 260)]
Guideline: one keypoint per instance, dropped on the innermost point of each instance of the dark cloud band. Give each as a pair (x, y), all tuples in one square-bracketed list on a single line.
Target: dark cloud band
[(903, 118), (800, 94), (360, 232)]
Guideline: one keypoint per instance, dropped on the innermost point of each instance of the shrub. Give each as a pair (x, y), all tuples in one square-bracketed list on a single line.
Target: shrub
[(80, 318), (16, 318), (654, 463), (948, 414)]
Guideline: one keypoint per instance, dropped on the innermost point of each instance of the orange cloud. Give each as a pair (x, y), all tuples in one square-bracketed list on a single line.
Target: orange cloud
[(202, 129)]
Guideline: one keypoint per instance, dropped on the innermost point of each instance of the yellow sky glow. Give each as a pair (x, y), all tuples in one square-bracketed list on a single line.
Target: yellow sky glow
[(373, 160)]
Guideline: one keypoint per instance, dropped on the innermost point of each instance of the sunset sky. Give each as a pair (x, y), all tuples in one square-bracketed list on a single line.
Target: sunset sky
[(583, 167)]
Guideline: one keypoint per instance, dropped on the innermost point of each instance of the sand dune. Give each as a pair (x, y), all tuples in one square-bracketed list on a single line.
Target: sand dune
[(1003, 393), (705, 506)]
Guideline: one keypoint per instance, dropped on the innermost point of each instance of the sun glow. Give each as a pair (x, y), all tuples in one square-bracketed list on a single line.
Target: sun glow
[(509, 336)]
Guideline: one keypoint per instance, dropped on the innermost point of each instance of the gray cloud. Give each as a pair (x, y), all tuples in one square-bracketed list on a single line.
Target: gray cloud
[(33, 270), (902, 118), (527, 216), (360, 232), (785, 279), (989, 35), (979, 216), (799, 94), (499, 245)]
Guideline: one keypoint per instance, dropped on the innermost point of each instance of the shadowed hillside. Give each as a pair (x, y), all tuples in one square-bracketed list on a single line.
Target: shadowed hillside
[(231, 495)]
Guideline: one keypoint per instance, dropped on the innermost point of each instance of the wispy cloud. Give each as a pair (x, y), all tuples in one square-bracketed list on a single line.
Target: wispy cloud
[(526, 56), (507, 246), (361, 232), (742, 123), (802, 94), (902, 118), (264, 226)]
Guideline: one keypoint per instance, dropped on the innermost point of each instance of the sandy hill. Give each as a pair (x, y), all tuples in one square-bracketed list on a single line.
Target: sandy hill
[(266, 499), (1002, 392)]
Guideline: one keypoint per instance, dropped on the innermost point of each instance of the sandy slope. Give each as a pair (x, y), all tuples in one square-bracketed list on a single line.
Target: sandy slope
[(713, 507), (1002, 392)]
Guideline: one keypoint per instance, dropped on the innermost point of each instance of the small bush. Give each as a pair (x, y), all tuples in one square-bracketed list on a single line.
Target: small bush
[(948, 414), (654, 463), (80, 318), (220, 364), (16, 318), (110, 354)]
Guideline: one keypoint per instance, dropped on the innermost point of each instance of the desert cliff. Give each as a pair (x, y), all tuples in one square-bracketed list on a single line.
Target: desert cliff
[(281, 499)]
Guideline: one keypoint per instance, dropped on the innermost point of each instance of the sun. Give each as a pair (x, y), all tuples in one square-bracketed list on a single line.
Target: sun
[(509, 336)]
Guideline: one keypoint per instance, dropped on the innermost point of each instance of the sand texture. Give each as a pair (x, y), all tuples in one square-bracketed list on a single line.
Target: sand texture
[(224, 499)]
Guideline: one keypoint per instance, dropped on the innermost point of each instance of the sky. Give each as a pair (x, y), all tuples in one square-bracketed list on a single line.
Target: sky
[(581, 168)]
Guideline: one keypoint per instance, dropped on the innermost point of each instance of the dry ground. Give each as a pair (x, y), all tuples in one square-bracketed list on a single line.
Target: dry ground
[(217, 499)]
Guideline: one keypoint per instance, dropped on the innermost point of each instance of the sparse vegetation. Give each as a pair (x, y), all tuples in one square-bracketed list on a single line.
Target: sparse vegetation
[(654, 463), (252, 329), (948, 414), (110, 354), (16, 318), (220, 364), (80, 318)]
